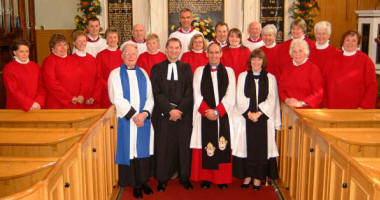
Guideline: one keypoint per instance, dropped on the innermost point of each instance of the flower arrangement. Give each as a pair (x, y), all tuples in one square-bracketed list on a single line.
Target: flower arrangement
[(202, 25), (90, 8), (303, 9)]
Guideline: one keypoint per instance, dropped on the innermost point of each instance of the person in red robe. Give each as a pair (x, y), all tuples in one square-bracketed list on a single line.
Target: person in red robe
[(22, 80), (235, 55), (106, 61), (91, 72), (298, 30), (351, 81), (62, 76), (196, 56), (323, 54), (271, 49), (221, 32), (153, 56), (301, 82)]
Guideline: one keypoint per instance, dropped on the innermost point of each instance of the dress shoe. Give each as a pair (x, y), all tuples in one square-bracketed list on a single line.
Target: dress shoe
[(161, 187), (245, 186), (256, 187), (146, 189), (205, 184), (187, 185), (223, 186), (137, 193)]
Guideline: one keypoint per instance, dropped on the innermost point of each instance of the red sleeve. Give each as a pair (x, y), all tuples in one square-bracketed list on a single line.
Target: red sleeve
[(12, 87), (281, 90), (97, 90), (202, 108), (103, 72), (368, 101), (221, 110), (41, 92), (51, 83), (314, 100)]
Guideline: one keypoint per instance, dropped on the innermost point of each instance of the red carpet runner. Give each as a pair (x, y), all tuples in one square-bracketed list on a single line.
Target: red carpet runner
[(175, 191)]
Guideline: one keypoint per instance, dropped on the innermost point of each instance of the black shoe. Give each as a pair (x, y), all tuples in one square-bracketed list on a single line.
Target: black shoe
[(245, 186), (161, 187), (146, 189), (187, 185), (137, 193), (256, 188), (223, 186), (205, 184)]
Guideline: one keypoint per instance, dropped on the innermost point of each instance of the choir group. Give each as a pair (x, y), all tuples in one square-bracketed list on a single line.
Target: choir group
[(201, 112)]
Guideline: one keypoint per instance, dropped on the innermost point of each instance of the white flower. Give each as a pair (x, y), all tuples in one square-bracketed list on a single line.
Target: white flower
[(206, 21), (196, 24)]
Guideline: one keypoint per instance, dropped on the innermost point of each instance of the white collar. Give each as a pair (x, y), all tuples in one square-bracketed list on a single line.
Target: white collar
[(112, 49), (254, 40), (271, 46), (172, 69), (322, 46), (257, 73), (197, 51), (93, 39), (303, 62), (302, 37), (239, 45), (221, 43), (80, 53), (60, 56), (21, 62), (346, 53)]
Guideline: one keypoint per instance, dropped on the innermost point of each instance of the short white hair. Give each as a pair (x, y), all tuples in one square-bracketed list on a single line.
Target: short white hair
[(323, 25), (270, 28), (129, 45), (302, 43)]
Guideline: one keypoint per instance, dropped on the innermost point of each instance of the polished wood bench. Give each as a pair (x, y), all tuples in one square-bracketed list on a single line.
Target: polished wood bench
[(19, 173), (51, 142)]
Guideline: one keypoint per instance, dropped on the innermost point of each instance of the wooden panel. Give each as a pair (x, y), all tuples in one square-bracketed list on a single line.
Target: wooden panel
[(42, 40), (338, 176)]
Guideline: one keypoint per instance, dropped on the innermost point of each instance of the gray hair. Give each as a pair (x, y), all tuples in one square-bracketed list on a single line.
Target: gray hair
[(270, 28), (323, 25), (129, 45), (302, 43)]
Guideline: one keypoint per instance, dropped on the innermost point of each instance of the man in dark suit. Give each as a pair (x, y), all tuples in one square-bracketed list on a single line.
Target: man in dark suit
[(172, 116)]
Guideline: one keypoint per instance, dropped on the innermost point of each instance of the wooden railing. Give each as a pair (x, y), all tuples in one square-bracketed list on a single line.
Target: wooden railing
[(87, 170), (313, 165)]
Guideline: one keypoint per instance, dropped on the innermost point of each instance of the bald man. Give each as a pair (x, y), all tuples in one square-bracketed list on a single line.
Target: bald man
[(254, 40), (138, 38)]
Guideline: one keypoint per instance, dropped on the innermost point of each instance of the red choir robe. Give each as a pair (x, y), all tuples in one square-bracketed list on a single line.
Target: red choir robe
[(285, 58), (107, 61), (323, 59), (194, 59), (352, 82), (91, 76), (63, 81), (272, 55), (303, 82), (23, 85), (147, 60), (236, 58)]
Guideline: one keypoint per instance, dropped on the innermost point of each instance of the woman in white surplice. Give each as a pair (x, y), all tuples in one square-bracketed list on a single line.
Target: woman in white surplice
[(257, 118)]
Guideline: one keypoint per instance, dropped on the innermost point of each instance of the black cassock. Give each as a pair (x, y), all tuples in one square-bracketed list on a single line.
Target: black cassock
[(172, 139)]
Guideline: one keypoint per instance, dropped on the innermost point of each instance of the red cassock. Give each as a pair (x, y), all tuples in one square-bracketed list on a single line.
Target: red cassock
[(352, 82), (323, 59), (303, 82), (272, 55), (194, 59), (147, 60), (62, 80), (23, 85), (91, 76), (107, 61), (285, 58), (236, 58)]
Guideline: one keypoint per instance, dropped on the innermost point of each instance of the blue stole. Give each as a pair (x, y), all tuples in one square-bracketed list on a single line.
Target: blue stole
[(123, 125)]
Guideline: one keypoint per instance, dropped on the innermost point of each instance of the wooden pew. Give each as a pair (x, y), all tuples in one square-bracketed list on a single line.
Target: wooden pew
[(52, 142), (19, 173), (54, 118), (358, 142)]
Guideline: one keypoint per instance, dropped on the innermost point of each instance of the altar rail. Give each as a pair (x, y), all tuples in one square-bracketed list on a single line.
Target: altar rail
[(313, 166)]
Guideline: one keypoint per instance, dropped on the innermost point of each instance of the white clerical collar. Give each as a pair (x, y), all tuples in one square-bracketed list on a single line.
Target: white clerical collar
[(302, 37), (257, 73), (80, 53), (172, 69), (346, 53), (20, 61), (154, 53), (235, 47), (93, 39), (303, 62), (112, 49), (322, 46), (197, 51), (188, 31), (61, 56), (271, 46)]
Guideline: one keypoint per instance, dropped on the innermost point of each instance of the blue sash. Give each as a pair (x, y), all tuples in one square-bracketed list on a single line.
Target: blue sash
[(123, 125)]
